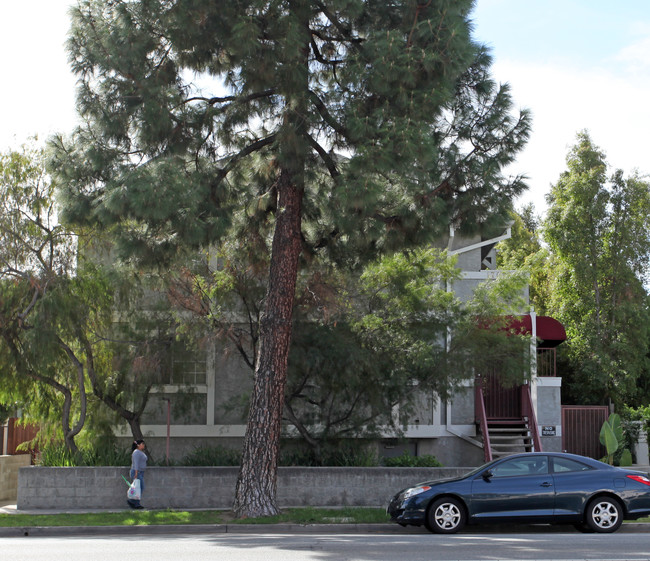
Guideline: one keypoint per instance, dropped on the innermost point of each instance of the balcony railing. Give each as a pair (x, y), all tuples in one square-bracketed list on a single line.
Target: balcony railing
[(546, 361)]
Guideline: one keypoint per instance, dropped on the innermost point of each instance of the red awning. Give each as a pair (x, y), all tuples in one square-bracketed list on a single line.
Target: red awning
[(549, 330)]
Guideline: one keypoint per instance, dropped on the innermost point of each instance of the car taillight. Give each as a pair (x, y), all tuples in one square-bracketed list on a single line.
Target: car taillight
[(640, 478)]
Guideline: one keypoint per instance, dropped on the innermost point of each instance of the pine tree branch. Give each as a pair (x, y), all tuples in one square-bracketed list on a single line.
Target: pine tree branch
[(250, 149), (233, 98), (327, 159), (319, 56), (447, 183), (325, 114), (420, 8), (392, 221), (331, 38), (342, 29)]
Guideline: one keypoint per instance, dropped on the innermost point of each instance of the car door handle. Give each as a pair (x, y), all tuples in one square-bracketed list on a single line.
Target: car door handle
[(546, 484)]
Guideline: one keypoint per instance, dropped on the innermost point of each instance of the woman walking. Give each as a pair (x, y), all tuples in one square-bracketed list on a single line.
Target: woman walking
[(138, 467)]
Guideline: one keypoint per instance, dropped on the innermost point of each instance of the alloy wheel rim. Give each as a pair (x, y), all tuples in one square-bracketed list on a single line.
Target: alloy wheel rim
[(605, 515), (447, 516)]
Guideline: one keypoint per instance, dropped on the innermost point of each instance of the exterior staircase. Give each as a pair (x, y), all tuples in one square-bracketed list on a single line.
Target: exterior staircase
[(509, 436), (502, 435)]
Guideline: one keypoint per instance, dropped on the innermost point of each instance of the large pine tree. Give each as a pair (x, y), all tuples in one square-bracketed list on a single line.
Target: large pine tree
[(342, 127)]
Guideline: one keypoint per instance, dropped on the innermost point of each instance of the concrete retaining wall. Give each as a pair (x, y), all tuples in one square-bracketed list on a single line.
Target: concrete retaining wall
[(9, 466), (213, 487)]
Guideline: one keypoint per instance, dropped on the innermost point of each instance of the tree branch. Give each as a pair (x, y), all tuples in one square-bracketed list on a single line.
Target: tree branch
[(327, 117), (343, 30), (251, 148), (81, 420), (233, 98), (319, 56), (301, 428), (327, 159)]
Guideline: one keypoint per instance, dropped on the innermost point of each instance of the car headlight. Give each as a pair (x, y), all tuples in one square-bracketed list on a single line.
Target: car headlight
[(415, 491)]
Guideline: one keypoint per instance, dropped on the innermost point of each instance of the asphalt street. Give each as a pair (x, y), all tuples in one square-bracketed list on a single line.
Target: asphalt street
[(562, 546)]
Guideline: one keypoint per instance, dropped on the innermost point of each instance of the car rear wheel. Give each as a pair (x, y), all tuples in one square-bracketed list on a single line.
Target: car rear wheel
[(604, 515), (445, 516)]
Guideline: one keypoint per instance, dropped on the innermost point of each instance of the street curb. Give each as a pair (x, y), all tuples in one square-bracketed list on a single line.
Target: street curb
[(210, 529), (36, 531)]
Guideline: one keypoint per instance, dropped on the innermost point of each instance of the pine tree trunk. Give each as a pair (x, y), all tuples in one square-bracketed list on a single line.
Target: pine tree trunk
[(255, 494)]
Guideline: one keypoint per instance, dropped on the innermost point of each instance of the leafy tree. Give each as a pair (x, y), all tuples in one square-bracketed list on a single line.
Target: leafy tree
[(56, 311), (36, 259), (208, 119), (5, 413), (598, 227), (127, 354), (524, 240), (363, 345), (524, 251), (403, 334)]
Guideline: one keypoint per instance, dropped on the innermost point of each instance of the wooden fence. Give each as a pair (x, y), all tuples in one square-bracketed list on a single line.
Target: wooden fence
[(13, 434), (581, 426)]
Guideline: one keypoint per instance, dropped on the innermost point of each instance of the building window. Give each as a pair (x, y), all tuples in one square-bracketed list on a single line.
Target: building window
[(186, 366)]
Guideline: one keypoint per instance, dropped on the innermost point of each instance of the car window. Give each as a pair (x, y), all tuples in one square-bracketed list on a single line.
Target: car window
[(532, 465), (563, 465)]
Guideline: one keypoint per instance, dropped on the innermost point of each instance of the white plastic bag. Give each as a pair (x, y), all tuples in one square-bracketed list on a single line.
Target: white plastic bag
[(134, 493)]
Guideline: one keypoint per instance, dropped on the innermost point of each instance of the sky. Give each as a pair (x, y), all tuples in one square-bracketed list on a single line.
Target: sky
[(575, 64)]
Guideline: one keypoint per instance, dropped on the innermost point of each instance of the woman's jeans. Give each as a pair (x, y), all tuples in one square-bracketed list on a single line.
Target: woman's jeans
[(141, 478)]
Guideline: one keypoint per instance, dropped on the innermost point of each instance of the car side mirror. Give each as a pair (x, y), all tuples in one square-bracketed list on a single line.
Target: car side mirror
[(487, 475)]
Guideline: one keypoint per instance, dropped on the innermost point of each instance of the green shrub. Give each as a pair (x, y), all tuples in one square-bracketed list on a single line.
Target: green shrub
[(212, 456), (352, 456), (406, 460), (337, 455), (105, 456), (58, 455), (298, 457), (635, 421)]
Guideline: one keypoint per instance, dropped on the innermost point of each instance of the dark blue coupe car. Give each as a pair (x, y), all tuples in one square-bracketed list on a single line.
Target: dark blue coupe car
[(536, 487)]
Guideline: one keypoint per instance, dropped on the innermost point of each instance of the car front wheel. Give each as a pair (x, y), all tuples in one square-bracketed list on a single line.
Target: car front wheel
[(604, 515), (445, 516)]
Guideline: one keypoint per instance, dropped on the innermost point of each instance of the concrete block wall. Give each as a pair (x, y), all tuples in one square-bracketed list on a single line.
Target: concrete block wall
[(70, 488), (9, 466), (549, 412)]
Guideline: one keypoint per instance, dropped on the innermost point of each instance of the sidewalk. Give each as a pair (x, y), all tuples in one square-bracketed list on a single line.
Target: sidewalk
[(13, 509), (34, 531), (207, 529), (387, 528)]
